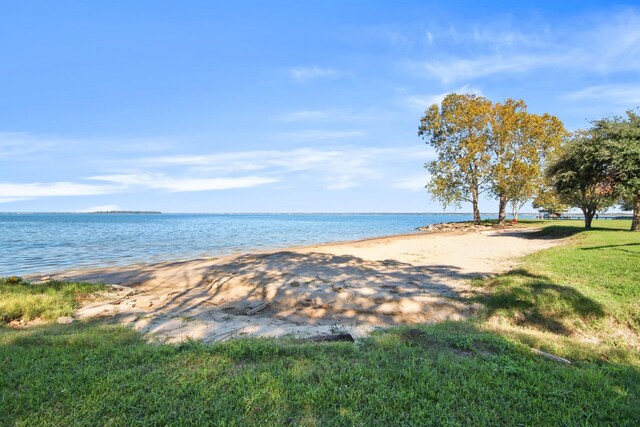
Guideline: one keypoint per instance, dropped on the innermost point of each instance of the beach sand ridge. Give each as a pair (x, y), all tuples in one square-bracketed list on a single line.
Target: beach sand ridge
[(351, 287)]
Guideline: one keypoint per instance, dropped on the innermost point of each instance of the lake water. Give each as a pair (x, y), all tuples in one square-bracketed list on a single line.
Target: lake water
[(43, 243)]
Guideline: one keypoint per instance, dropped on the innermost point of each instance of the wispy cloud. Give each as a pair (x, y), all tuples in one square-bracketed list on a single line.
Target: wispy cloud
[(52, 189), (622, 94), (604, 44), (291, 159), (304, 74), (121, 183), (13, 199), (339, 167), (15, 144), (335, 166), (126, 183), (429, 38), (320, 135), (421, 102), (342, 182), (492, 34), (307, 115), (412, 183), (184, 184), (455, 69), (504, 37), (613, 44), (22, 146), (335, 115)]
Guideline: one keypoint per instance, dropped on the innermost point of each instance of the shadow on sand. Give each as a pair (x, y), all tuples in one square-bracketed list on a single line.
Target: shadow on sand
[(288, 292)]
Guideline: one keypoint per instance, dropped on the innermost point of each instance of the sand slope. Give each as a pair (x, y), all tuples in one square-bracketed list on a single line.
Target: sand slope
[(354, 286)]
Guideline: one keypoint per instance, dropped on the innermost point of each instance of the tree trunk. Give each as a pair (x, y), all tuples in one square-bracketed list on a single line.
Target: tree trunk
[(476, 211), (588, 218), (635, 221), (587, 221), (502, 209)]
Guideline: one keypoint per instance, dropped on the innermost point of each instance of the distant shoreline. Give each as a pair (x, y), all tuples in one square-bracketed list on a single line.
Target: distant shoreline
[(126, 212)]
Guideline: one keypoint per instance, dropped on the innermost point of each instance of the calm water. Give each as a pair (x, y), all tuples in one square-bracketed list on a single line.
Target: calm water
[(41, 243)]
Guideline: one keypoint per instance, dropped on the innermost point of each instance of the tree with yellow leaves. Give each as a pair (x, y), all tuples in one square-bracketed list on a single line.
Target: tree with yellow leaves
[(547, 199), (520, 142), (459, 132)]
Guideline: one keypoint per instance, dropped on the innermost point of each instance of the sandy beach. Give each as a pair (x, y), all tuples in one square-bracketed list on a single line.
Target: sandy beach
[(350, 287)]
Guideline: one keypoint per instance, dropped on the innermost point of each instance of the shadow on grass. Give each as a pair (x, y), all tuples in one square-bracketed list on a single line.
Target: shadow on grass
[(614, 247), (535, 300), (554, 232), (460, 338)]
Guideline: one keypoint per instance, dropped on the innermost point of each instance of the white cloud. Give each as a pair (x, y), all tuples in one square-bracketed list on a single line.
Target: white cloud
[(603, 44), (13, 199), (412, 183), (325, 115), (622, 94), (52, 189), (503, 38), (370, 114), (422, 102), (318, 135), (339, 167), (428, 37), (15, 144), (336, 168), (13, 192), (297, 159), (343, 182), (303, 74), (612, 45), (456, 69), (307, 115), (176, 185)]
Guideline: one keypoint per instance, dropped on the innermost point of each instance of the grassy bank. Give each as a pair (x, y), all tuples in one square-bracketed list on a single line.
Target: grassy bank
[(590, 285), (577, 301), (446, 374), (20, 300)]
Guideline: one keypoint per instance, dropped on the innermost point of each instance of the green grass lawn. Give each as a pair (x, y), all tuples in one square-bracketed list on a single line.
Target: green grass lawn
[(593, 283), (477, 372)]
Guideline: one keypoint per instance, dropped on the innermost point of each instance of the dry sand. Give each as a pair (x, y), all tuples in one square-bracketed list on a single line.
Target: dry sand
[(352, 287)]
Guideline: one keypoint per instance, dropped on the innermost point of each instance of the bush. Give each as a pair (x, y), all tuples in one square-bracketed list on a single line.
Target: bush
[(15, 280)]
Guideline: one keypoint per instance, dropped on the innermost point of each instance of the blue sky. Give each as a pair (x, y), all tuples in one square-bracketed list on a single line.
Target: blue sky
[(278, 106)]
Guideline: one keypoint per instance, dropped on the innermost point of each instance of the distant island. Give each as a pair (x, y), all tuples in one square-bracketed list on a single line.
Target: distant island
[(126, 212)]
